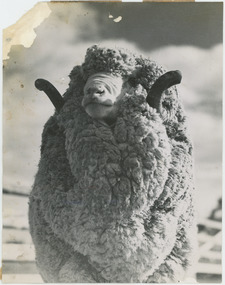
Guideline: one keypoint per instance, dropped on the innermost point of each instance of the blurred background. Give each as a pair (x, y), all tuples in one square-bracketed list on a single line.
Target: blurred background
[(184, 36)]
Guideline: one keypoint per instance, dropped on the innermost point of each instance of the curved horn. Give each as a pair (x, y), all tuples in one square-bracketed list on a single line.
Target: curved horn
[(52, 93), (167, 80)]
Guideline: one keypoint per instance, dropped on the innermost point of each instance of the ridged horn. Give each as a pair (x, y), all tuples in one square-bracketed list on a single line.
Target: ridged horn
[(52, 93), (155, 95)]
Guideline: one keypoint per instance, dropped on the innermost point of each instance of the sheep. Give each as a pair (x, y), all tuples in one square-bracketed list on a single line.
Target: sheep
[(113, 198)]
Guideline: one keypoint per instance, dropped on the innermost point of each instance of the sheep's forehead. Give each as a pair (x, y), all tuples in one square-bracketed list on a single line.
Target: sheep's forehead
[(116, 61)]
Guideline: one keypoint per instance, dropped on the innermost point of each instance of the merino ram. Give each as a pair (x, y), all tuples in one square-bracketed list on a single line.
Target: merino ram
[(113, 197)]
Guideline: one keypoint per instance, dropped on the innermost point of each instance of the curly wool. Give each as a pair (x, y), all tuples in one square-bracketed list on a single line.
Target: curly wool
[(114, 203)]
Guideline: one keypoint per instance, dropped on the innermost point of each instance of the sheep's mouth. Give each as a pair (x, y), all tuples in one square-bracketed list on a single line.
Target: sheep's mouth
[(98, 104)]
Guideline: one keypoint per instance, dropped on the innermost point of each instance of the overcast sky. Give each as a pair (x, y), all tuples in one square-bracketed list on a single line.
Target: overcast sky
[(185, 36)]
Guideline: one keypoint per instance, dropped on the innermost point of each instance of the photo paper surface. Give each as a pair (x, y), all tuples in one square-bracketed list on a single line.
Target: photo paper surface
[(116, 178)]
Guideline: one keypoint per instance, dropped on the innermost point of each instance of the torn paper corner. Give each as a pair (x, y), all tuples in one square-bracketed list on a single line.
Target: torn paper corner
[(22, 32)]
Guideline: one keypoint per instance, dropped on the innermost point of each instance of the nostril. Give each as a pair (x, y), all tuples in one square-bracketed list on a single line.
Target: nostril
[(99, 91), (94, 92)]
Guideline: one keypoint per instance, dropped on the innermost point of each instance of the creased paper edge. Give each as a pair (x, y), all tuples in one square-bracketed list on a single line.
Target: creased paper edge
[(22, 32)]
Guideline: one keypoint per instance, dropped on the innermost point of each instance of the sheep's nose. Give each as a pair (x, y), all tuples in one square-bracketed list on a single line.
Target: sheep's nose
[(95, 95), (96, 92)]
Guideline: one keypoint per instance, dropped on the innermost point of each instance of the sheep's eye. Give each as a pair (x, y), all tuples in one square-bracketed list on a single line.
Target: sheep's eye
[(132, 81), (87, 91)]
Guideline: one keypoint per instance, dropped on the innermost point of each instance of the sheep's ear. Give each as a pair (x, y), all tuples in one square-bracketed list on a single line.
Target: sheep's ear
[(52, 93), (155, 95)]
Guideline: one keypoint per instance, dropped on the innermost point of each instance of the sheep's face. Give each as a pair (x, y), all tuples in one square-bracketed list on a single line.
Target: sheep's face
[(102, 93)]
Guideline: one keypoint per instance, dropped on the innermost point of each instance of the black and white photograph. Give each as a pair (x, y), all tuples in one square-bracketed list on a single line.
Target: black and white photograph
[(112, 143)]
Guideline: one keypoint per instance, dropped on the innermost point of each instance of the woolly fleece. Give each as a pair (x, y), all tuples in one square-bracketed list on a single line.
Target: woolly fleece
[(115, 203)]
